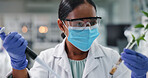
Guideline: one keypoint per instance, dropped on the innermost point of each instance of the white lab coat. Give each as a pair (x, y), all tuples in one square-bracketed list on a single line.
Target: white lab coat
[(5, 65), (100, 61)]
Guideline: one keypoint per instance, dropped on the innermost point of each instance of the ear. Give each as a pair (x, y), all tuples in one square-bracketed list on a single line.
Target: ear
[(61, 25)]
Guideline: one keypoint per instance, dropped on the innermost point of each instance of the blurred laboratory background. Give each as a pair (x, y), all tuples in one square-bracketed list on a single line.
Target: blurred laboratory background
[(36, 20)]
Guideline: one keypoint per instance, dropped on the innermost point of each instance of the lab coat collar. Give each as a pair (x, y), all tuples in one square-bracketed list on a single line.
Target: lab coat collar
[(94, 55), (95, 50), (60, 49), (63, 62)]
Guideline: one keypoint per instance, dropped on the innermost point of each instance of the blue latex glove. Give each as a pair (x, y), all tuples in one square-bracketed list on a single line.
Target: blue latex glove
[(136, 62), (15, 45)]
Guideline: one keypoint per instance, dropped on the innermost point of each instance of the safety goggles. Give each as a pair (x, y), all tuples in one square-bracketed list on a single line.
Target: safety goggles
[(83, 22)]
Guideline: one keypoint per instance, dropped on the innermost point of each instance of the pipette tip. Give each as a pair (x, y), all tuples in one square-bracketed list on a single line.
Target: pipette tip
[(2, 30)]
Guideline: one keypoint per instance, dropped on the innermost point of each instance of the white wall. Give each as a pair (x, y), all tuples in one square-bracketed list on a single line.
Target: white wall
[(122, 12), (11, 6)]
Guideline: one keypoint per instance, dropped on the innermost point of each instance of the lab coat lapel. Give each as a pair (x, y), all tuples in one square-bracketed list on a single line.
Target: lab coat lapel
[(94, 55), (89, 66), (64, 64), (63, 61)]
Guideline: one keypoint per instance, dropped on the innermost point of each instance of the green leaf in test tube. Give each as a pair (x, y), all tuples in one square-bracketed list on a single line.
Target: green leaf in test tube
[(145, 13), (138, 42), (139, 26), (140, 38), (146, 27), (133, 38)]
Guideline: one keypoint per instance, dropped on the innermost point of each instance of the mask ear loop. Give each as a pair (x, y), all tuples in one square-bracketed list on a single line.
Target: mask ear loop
[(65, 24), (66, 27)]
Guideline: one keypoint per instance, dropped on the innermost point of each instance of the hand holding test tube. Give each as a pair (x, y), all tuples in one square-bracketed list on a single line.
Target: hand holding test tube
[(132, 43)]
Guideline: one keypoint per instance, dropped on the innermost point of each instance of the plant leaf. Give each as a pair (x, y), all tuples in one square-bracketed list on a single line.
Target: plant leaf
[(138, 42), (143, 39), (140, 38), (139, 26), (145, 13), (133, 38), (146, 27)]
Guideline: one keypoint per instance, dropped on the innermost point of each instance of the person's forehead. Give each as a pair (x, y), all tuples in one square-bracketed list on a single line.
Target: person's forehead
[(83, 10)]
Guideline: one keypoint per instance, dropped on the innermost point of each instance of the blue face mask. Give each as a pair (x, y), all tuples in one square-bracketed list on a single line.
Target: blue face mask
[(82, 38)]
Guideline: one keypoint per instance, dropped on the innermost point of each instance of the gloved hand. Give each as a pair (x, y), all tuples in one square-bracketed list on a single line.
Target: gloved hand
[(15, 45), (136, 62)]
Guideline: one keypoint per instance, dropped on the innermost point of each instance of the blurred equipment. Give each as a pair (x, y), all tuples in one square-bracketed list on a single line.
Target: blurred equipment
[(43, 29), (24, 29), (115, 35)]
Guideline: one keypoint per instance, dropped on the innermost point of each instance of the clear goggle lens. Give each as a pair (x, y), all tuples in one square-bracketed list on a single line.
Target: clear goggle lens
[(83, 23)]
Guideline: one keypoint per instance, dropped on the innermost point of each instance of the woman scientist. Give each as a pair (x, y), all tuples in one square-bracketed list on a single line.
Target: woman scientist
[(78, 56)]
